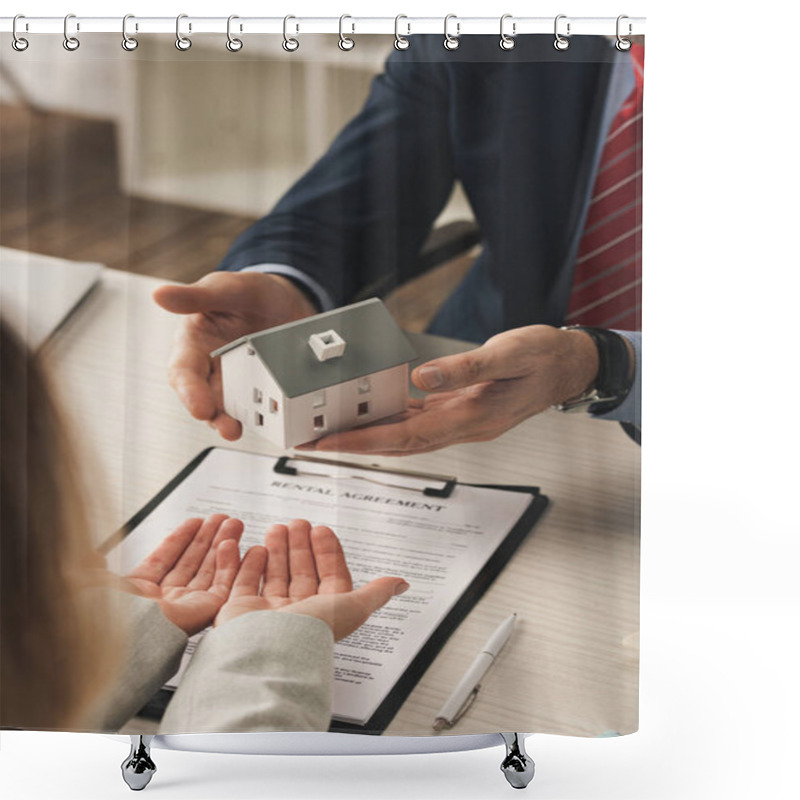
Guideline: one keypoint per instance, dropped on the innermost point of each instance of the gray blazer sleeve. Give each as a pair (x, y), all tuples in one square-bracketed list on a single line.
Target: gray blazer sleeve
[(263, 671), (153, 650)]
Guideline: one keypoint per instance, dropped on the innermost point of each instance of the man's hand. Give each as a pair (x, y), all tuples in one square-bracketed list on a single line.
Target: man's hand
[(191, 572), (477, 395), (302, 570), (219, 308)]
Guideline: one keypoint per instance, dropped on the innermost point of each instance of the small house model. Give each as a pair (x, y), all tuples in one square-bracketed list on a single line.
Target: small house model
[(297, 382)]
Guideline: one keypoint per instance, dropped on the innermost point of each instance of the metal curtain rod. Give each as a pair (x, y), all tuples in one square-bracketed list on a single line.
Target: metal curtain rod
[(462, 26)]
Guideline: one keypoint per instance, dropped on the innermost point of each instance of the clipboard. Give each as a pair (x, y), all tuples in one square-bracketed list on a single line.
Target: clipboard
[(440, 486)]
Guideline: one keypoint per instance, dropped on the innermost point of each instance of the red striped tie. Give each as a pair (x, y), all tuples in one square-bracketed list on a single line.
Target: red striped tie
[(607, 284)]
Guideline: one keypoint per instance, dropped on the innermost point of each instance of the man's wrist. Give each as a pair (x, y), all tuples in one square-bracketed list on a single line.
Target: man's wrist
[(316, 293), (311, 300), (303, 302), (584, 363)]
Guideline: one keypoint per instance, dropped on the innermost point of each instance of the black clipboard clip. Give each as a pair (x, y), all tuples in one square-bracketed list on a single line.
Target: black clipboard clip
[(282, 467)]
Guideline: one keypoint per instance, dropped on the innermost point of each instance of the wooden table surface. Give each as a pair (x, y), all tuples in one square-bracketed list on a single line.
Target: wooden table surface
[(572, 664)]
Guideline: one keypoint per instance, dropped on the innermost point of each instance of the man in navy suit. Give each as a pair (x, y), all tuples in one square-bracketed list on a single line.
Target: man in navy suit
[(524, 131)]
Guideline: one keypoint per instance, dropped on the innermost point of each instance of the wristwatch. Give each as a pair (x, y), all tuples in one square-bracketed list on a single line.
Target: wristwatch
[(612, 384)]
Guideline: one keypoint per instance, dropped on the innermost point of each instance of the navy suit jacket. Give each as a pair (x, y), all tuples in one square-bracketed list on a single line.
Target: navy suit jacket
[(519, 129)]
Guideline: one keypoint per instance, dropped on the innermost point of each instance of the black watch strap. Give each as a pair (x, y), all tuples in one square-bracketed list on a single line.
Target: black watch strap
[(612, 384)]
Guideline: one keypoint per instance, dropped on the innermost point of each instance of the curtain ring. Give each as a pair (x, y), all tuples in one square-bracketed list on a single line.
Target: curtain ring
[(507, 42), (289, 44), (560, 43), (345, 42), (18, 43), (233, 44), (71, 43), (182, 42), (451, 42), (400, 42), (623, 44), (129, 43)]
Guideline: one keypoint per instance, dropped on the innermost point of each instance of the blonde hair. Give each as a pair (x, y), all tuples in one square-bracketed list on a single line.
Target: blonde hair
[(57, 649)]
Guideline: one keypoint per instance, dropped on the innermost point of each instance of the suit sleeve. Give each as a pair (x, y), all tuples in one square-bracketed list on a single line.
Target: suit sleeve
[(153, 650), (263, 671), (360, 215)]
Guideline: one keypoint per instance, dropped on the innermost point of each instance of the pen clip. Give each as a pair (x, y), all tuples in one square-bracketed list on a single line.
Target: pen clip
[(467, 704)]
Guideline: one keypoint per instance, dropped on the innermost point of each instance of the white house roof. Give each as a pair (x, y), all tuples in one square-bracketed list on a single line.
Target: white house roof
[(374, 342)]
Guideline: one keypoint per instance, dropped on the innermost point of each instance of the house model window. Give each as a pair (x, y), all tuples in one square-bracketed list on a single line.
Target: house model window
[(319, 422), (327, 345), (319, 400), (363, 408), (364, 385)]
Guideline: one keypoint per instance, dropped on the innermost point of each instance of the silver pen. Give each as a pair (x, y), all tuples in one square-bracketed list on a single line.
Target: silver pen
[(467, 690)]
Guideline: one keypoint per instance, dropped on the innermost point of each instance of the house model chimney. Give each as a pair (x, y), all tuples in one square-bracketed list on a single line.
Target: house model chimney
[(327, 345)]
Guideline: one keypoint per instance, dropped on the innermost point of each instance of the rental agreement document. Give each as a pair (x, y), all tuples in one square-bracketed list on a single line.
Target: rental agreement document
[(387, 526)]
